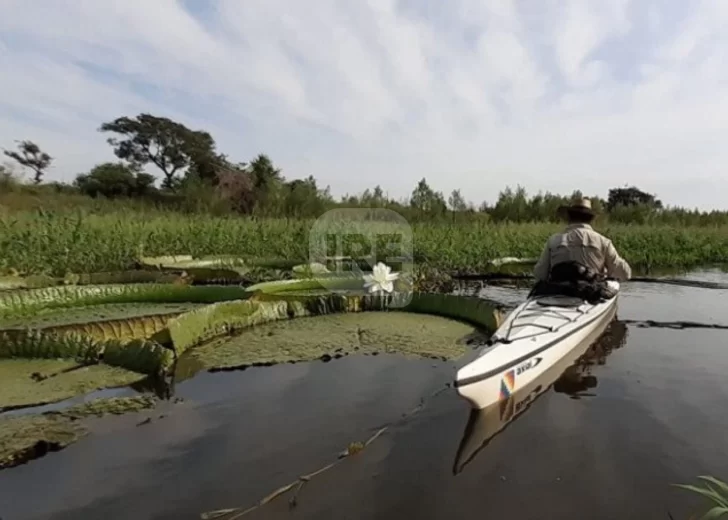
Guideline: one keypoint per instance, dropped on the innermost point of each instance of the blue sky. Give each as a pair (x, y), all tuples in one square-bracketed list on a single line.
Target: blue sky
[(555, 95)]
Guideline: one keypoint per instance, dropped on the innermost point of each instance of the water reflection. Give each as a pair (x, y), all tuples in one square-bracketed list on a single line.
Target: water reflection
[(578, 378), (572, 376)]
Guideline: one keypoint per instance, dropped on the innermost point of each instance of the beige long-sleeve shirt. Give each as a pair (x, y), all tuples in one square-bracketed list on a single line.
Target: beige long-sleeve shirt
[(580, 243)]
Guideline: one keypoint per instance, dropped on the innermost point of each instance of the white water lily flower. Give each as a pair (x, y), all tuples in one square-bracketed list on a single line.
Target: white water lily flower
[(381, 279)]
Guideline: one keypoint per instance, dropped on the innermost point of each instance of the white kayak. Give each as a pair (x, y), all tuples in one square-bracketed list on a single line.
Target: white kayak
[(534, 336), (483, 425)]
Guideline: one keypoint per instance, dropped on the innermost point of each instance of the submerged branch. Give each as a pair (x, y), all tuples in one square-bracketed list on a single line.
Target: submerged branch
[(239, 512)]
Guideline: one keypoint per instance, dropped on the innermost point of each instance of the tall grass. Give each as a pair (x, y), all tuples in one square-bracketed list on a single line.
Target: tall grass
[(59, 242)]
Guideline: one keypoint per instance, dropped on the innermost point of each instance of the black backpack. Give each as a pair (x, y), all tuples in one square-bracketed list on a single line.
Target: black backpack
[(577, 280)]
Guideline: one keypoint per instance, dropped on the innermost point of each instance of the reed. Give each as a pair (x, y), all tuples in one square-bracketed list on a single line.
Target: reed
[(57, 243)]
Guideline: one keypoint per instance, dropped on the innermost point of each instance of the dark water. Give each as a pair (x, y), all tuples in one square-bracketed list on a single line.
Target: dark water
[(234, 437), (652, 411)]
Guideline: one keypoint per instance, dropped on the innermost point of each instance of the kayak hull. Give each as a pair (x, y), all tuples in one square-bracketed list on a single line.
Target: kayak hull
[(534, 337)]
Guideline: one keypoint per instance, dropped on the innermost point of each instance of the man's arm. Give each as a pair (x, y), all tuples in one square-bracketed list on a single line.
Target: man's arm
[(543, 267), (617, 267)]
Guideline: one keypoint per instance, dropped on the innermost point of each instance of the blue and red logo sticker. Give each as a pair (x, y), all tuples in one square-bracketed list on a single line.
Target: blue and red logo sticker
[(508, 407), (508, 384)]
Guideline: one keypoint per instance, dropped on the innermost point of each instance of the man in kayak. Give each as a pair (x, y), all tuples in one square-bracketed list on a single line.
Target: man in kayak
[(579, 260)]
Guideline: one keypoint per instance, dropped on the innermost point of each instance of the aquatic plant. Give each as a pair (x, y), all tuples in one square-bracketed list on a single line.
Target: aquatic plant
[(349, 282), (37, 344), (144, 327), (335, 336), (716, 491), (201, 325), (144, 357), (32, 382), (32, 436), (32, 301), (381, 279)]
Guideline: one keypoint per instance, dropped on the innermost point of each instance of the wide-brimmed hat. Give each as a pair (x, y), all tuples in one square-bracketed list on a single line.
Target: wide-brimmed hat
[(582, 205)]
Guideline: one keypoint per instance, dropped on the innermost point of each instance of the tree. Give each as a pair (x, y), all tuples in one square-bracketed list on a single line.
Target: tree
[(169, 145), (31, 156), (267, 182), (426, 200), (264, 173), (457, 202), (511, 206), (631, 196), (235, 185), (8, 179), (207, 167), (370, 199), (114, 180)]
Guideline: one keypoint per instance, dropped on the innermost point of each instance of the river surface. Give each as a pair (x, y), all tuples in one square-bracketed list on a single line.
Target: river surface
[(604, 441)]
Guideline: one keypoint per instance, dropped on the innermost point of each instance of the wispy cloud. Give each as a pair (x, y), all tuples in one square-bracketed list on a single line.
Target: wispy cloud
[(554, 95)]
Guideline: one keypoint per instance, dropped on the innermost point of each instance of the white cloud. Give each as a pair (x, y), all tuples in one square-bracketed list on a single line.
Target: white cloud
[(478, 96)]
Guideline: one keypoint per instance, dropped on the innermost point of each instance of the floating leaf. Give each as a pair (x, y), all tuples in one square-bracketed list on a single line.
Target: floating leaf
[(145, 357), (31, 301)]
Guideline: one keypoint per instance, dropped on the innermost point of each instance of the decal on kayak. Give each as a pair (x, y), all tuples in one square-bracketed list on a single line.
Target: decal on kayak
[(531, 363), (510, 408), (508, 384)]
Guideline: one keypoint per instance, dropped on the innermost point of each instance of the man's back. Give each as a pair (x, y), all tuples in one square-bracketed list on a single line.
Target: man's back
[(580, 243)]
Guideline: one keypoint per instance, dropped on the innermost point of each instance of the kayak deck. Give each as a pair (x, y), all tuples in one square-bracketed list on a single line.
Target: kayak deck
[(540, 315)]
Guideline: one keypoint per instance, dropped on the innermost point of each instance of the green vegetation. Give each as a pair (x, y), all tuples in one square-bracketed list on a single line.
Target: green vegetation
[(31, 436), (336, 336), (63, 340), (62, 243), (30, 302), (716, 491), (29, 382)]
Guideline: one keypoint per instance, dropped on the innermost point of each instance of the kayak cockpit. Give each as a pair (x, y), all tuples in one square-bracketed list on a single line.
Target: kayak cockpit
[(560, 301)]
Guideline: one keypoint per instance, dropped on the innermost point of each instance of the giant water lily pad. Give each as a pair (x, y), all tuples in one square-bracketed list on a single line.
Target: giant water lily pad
[(116, 333), (346, 283), (310, 270), (95, 313), (305, 339), (196, 327), (217, 268), (28, 303), (31, 436), (27, 382)]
